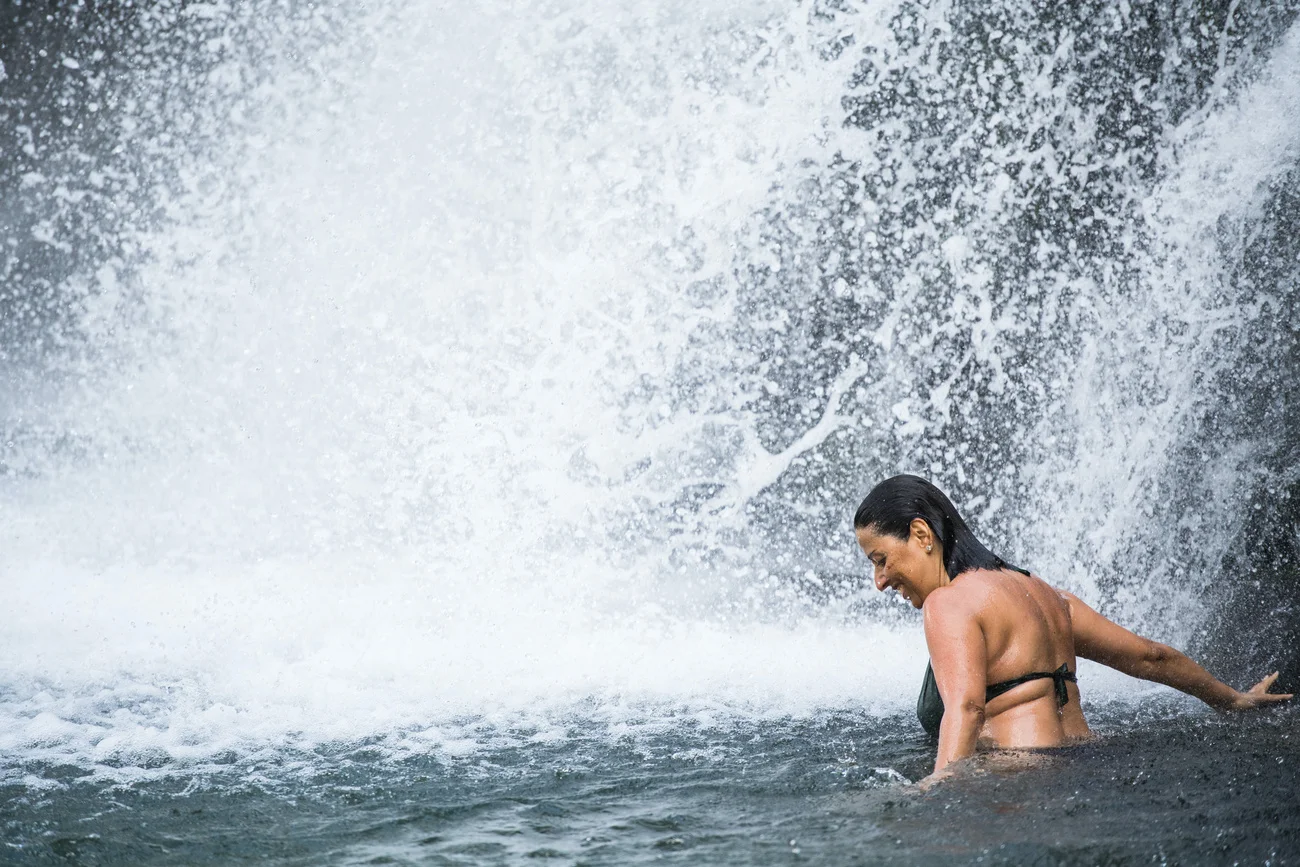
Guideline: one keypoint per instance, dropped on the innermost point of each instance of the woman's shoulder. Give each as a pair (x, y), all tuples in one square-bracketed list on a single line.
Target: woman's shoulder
[(969, 590), (999, 577), (981, 587), (983, 580)]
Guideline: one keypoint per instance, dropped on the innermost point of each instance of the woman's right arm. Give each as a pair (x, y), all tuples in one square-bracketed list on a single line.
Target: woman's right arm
[(1100, 640)]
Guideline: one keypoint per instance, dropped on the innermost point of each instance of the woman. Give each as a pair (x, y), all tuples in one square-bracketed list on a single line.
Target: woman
[(1002, 642)]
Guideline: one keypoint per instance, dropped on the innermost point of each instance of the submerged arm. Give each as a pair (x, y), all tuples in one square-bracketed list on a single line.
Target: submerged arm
[(1103, 641), (958, 656)]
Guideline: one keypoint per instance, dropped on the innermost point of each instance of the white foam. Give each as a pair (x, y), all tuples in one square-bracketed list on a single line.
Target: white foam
[(121, 669)]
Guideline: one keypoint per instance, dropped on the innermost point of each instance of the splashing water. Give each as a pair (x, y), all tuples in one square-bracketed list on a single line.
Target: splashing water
[(504, 365)]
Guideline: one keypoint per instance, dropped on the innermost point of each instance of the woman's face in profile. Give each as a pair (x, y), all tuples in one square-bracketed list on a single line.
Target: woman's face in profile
[(902, 564)]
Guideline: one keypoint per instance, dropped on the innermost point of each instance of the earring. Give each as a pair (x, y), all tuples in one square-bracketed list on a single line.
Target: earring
[(929, 548)]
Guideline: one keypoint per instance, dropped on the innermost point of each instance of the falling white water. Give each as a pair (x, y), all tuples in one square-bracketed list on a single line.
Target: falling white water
[(426, 385)]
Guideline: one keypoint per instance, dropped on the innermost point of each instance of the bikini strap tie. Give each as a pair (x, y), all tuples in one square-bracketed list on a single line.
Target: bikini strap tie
[(1059, 677)]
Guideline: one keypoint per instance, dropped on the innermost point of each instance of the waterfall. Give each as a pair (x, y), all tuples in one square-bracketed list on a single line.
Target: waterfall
[(375, 369)]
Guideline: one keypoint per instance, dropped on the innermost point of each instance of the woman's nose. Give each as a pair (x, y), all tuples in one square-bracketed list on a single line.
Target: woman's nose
[(879, 578)]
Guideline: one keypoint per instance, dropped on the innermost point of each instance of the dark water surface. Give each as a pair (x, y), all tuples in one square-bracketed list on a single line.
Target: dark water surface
[(1175, 787)]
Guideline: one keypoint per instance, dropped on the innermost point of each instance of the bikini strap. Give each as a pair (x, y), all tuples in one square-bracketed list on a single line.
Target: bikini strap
[(1059, 677)]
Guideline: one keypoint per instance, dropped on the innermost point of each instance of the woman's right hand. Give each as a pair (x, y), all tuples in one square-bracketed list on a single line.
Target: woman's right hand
[(1259, 696)]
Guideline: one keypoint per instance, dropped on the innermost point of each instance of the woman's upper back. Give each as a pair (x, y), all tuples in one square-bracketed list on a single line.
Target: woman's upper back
[(1025, 624)]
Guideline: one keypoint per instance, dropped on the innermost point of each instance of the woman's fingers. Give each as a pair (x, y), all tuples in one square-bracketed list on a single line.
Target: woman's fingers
[(1259, 694), (1264, 685)]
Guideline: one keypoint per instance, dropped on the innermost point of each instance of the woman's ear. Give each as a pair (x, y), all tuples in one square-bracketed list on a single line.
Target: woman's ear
[(921, 532)]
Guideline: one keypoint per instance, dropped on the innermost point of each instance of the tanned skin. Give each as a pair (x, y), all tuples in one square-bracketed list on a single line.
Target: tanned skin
[(996, 625)]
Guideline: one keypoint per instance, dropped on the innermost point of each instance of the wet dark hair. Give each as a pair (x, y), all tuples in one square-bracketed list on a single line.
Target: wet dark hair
[(893, 504)]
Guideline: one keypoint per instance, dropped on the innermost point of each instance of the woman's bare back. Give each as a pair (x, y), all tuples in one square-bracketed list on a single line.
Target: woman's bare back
[(1027, 628)]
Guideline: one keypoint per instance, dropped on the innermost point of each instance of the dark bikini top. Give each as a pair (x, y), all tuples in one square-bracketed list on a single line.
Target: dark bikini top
[(929, 707)]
